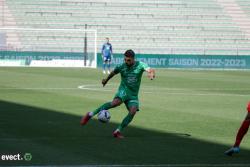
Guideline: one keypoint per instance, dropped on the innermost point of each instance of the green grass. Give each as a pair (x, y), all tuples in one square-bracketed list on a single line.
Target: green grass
[(186, 117)]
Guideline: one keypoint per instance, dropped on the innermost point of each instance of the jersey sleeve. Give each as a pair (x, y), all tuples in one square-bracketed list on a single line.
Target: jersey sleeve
[(144, 66), (117, 69)]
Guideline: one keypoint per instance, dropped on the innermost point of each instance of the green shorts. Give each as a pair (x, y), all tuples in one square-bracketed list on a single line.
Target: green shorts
[(129, 100)]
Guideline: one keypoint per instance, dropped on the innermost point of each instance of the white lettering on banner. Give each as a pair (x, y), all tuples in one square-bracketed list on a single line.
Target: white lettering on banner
[(223, 63), (211, 63), (235, 63), (154, 61), (183, 62), (117, 61), (189, 62), (149, 61)]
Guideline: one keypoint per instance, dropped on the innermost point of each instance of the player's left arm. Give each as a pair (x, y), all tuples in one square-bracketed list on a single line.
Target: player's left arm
[(111, 49), (105, 81), (151, 73)]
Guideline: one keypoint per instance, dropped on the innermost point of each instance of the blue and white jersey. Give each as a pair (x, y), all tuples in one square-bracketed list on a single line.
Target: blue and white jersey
[(107, 50)]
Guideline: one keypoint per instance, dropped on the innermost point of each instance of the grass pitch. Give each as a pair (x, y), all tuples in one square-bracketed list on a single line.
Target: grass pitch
[(186, 118)]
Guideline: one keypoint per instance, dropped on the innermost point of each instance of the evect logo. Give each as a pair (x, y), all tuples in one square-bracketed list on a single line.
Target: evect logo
[(16, 157)]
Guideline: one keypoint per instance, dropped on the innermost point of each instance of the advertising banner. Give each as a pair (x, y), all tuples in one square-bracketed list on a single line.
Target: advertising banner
[(187, 61)]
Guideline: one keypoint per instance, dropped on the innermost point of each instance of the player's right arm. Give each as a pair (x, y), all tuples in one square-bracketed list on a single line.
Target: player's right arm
[(105, 81)]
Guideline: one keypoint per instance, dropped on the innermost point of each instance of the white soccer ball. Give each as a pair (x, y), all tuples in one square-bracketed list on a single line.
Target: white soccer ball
[(104, 116)]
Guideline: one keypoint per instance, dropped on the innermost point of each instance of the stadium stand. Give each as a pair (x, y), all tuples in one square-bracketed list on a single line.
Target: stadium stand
[(154, 27), (245, 5)]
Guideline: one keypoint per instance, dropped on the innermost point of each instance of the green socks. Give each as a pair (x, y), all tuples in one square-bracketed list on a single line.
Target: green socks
[(125, 122)]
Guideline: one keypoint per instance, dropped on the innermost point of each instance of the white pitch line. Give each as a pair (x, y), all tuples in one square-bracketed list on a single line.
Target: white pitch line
[(93, 87)]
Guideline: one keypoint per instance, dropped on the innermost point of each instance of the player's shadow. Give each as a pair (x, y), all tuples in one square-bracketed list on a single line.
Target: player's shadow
[(54, 138)]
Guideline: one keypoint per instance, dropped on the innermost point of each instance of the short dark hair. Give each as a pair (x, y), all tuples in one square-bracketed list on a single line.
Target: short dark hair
[(129, 53)]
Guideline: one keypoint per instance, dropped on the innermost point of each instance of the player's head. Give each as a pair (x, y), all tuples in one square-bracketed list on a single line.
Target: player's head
[(129, 57), (107, 40)]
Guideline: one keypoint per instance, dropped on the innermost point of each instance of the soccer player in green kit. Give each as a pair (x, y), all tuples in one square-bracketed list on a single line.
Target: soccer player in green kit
[(131, 72)]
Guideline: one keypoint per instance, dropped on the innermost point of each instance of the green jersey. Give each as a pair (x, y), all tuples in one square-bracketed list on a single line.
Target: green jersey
[(131, 77)]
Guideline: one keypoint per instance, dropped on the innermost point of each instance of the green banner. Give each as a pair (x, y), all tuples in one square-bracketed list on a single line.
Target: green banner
[(153, 60), (17, 55), (28, 56), (187, 61)]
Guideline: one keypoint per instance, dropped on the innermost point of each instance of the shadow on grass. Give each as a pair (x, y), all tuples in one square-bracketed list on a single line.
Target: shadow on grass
[(54, 138)]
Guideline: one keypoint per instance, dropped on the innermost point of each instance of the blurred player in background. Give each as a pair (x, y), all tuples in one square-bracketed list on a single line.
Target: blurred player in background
[(131, 72), (106, 55), (241, 133)]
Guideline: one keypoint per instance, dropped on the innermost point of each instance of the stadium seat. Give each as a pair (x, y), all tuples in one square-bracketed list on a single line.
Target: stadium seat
[(143, 25)]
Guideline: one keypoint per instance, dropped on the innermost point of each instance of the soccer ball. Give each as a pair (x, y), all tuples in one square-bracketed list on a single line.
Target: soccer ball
[(104, 116)]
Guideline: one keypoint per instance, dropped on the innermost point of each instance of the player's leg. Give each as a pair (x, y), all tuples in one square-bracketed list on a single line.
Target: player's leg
[(242, 130), (109, 62), (104, 65), (106, 106), (125, 122), (241, 133), (132, 107)]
